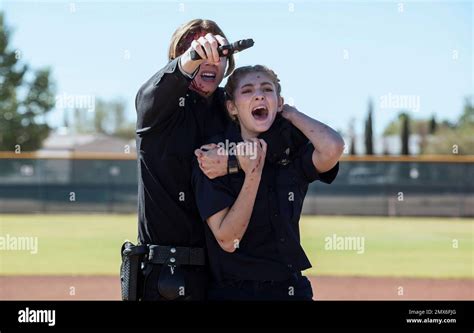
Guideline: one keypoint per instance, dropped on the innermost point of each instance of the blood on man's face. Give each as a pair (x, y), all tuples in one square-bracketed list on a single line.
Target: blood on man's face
[(209, 77), (210, 74)]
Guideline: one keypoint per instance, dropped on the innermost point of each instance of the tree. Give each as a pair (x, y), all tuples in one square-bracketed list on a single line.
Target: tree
[(352, 137), (352, 150), (433, 125), (454, 137), (445, 136), (467, 117), (100, 116), (108, 118), (23, 103), (385, 146), (405, 133), (369, 145)]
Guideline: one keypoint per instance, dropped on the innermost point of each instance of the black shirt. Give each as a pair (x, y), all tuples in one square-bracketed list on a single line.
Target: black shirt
[(172, 121), (270, 248)]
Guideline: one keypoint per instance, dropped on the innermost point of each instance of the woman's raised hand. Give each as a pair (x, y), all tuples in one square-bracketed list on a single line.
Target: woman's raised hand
[(251, 155)]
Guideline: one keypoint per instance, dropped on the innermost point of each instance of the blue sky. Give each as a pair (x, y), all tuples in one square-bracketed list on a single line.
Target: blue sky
[(330, 56)]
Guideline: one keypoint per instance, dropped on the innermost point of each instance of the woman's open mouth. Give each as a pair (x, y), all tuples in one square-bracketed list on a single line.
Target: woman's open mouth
[(260, 113), (208, 76)]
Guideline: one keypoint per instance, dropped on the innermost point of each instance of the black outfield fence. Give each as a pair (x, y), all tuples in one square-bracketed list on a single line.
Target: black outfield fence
[(366, 185)]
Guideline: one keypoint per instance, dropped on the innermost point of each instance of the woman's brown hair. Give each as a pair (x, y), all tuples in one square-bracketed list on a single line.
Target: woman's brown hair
[(183, 36), (234, 79)]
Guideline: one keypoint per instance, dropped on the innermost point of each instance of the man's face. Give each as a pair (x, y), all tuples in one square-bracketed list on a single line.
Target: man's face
[(256, 102), (209, 77)]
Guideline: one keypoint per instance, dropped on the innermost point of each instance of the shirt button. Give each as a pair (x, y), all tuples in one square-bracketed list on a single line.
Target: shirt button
[(290, 265), (282, 240), (275, 215)]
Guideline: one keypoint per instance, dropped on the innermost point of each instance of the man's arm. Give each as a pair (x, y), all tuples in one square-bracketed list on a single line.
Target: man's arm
[(328, 144), (165, 91), (211, 163), (160, 96)]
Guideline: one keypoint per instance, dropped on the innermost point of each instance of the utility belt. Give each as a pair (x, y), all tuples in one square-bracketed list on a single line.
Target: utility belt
[(171, 282), (176, 255)]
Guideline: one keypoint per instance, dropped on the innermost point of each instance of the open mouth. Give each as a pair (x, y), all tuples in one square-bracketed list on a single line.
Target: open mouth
[(208, 76), (260, 113)]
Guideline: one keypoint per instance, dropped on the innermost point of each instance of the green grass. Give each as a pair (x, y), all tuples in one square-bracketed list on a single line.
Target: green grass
[(409, 247)]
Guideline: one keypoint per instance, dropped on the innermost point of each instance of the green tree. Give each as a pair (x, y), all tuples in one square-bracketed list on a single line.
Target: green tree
[(108, 118), (433, 125), (352, 137), (454, 138), (23, 103), (467, 117), (352, 150), (405, 133), (114, 116), (100, 116), (369, 144), (417, 126)]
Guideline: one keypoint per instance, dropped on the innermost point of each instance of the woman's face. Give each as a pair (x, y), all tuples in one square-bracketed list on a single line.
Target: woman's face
[(255, 103), (209, 77)]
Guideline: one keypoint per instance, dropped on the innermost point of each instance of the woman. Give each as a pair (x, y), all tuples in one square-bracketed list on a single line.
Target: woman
[(252, 217)]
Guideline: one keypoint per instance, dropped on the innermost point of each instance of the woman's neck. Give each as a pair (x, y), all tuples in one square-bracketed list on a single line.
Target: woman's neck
[(246, 134)]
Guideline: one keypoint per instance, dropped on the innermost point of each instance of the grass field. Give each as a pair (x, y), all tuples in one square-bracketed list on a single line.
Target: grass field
[(399, 247)]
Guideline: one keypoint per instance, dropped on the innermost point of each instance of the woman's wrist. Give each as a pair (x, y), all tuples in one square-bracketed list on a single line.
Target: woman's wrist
[(253, 178)]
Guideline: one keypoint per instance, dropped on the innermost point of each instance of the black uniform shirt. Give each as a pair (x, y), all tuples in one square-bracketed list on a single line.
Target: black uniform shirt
[(270, 248), (172, 121)]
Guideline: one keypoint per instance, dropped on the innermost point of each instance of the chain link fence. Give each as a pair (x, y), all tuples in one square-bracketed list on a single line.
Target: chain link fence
[(364, 186)]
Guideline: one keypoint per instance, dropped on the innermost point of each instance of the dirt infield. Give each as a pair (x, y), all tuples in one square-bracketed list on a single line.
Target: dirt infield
[(324, 287)]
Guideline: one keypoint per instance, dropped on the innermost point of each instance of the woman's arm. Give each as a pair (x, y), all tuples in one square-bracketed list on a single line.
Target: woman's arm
[(229, 225), (328, 144)]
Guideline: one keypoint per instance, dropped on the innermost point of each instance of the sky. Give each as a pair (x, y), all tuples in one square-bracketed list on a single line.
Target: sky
[(331, 57)]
